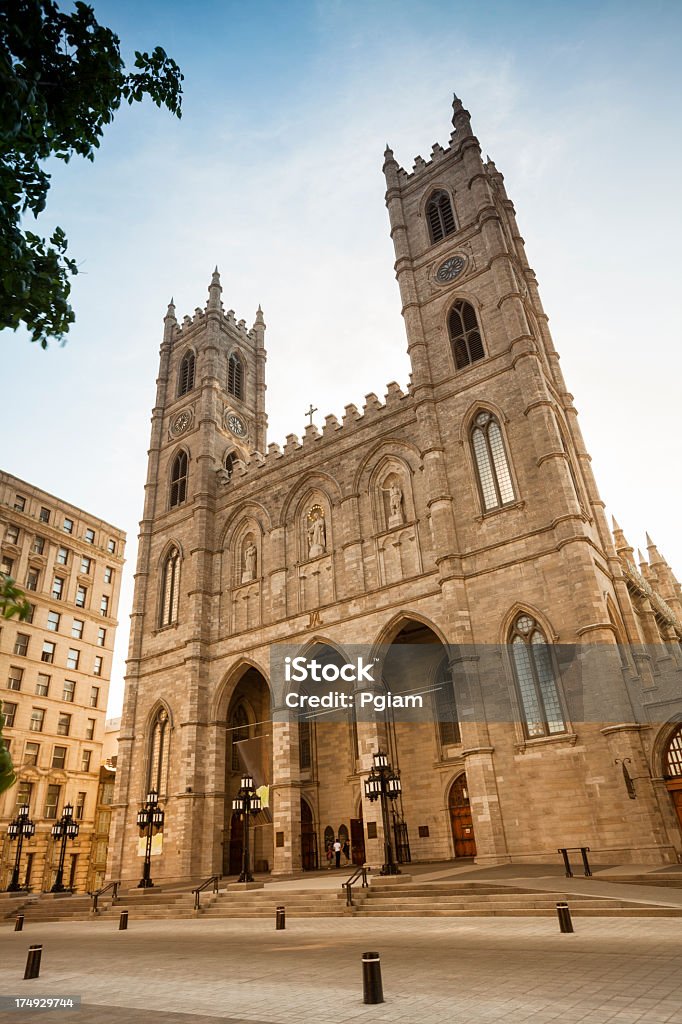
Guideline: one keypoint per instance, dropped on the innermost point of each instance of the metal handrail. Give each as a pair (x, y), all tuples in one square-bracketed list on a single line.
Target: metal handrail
[(213, 880), (360, 872), (100, 892)]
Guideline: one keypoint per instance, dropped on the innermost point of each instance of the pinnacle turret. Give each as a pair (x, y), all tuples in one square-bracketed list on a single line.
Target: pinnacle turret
[(214, 290), (461, 118)]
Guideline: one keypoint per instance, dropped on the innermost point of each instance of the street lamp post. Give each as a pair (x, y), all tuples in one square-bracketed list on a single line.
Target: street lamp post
[(382, 783), (21, 828), (65, 828), (149, 819), (246, 803)]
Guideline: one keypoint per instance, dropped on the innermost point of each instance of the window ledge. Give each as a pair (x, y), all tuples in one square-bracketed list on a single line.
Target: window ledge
[(502, 508), (568, 739)]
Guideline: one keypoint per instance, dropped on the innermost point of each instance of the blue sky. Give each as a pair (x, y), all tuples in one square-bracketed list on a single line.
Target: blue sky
[(274, 173)]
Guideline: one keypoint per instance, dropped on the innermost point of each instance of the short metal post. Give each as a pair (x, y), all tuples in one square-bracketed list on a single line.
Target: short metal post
[(372, 989), (567, 863), (564, 914), (123, 921), (19, 923), (586, 864), (280, 919), (33, 962)]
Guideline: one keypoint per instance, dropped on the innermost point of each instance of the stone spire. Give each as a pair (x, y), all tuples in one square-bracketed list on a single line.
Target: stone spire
[(461, 118), (214, 290), (623, 548), (169, 321)]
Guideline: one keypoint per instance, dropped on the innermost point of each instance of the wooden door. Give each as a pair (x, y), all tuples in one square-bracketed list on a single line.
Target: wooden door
[(675, 790), (461, 820), (357, 841), (309, 859)]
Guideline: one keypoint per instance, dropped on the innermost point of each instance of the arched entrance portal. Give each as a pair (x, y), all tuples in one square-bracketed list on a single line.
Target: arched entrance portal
[(672, 771), (357, 838), (461, 820), (309, 854)]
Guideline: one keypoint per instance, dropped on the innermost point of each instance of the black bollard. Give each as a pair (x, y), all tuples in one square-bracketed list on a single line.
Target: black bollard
[(564, 914), (33, 962), (372, 989), (280, 919), (19, 923), (123, 921)]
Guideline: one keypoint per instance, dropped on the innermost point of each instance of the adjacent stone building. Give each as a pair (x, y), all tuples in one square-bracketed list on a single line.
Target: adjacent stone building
[(54, 671), (461, 512)]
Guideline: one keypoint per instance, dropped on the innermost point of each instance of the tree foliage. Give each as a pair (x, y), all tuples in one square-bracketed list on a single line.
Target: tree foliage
[(12, 603), (62, 79), (7, 776)]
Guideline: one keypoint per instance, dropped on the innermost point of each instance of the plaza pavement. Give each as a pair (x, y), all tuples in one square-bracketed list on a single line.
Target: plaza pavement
[(473, 970)]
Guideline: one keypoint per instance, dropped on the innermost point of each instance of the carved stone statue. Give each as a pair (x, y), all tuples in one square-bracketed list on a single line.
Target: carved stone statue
[(317, 537), (250, 559), (396, 516)]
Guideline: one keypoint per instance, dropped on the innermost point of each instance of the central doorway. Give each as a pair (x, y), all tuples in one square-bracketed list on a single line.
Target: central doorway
[(309, 855), (461, 820)]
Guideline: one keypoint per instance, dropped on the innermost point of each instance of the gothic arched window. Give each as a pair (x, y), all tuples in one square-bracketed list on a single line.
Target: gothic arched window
[(465, 336), (170, 588), (230, 460), (235, 376), (492, 466), (239, 725), (446, 706), (440, 217), (673, 756), (535, 679), (186, 374), (305, 751), (157, 775), (569, 460), (178, 489)]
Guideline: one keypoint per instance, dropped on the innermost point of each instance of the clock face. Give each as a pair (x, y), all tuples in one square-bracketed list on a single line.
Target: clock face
[(450, 269), (236, 425)]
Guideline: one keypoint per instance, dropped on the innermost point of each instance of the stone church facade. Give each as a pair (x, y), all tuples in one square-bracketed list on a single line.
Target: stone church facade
[(463, 511)]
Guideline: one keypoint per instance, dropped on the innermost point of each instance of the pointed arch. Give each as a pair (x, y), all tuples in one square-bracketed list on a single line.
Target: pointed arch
[(439, 216), (158, 731), (465, 334), (491, 462), (178, 479), (535, 675), (186, 373), (169, 596), (226, 690), (235, 375)]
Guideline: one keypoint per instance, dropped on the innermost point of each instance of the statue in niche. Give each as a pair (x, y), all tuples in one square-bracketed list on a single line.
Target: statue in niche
[(317, 534), (250, 560), (396, 514)]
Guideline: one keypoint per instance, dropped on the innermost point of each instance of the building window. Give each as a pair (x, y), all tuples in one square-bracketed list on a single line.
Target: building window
[(230, 460), (170, 588), (14, 678), (81, 596), (47, 654), (42, 685), (57, 588), (9, 710), (37, 719), (32, 579), (465, 336), (97, 668), (6, 566), (51, 802), (79, 812), (77, 629), (94, 696), (535, 679), (86, 564), (494, 478), (19, 503), (235, 376), (111, 546), (44, 515), (53, 620), (90, 729), (89, 536), (24, 793), (12, 534), (21, 644), (31, 754), (59, 757), (85, 760), (446, 706), (186, 374), (63, 724), (157, 774), (69, 691), (73, 658), (68, 525), (62, 556), (673, 756), (38, 545), (101, 636), (304, 744), (104, 605), (178, 491), (439, 216), (108, 574)]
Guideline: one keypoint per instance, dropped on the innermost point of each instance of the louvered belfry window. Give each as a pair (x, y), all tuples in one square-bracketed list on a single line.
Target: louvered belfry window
[(465, 335), (186, 374), (494, 477), (235, 376), (440, 216), (178, 491), (230, 460), (170, 588)]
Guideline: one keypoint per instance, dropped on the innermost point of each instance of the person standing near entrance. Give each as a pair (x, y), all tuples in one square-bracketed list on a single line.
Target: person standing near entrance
[(346, 851), (337, 851)]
